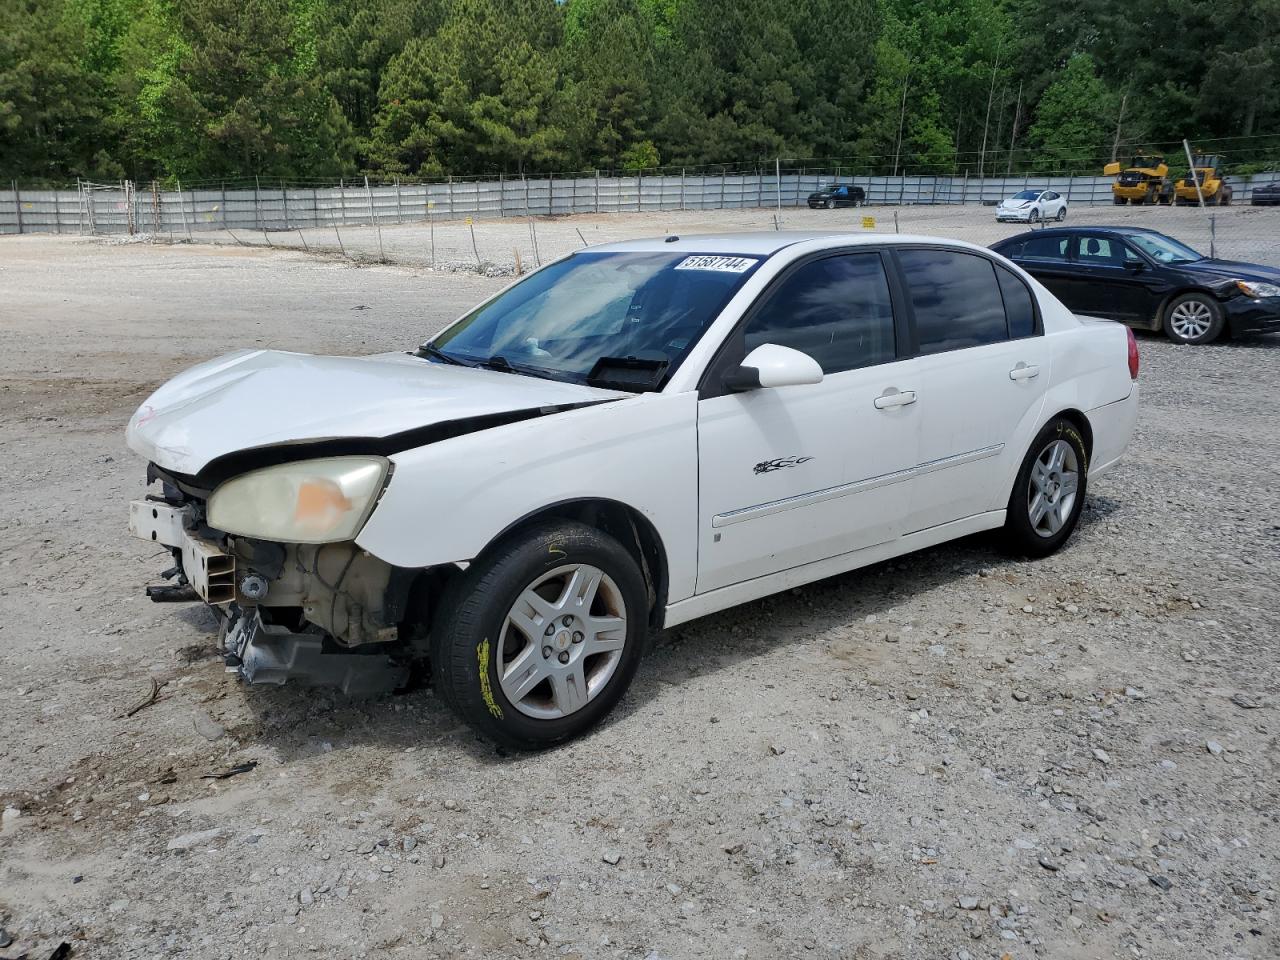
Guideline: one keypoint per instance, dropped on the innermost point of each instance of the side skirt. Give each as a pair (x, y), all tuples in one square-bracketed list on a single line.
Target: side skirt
[(699, 606)]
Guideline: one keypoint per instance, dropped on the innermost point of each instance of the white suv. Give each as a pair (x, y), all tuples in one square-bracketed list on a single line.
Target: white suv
[(635, 435)]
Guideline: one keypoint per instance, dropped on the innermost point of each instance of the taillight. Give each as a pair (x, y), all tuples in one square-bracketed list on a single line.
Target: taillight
[(1133, 354)]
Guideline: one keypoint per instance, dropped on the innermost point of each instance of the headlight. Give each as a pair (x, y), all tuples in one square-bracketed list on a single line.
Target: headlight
[(312, 501), (1252, 288)]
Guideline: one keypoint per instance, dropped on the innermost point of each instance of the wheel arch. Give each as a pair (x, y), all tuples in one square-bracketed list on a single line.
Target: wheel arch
[(1081, 420), (629, 526)]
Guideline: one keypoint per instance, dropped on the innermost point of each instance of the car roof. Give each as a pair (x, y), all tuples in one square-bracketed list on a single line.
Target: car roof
[(764, 242), (1077, 228)]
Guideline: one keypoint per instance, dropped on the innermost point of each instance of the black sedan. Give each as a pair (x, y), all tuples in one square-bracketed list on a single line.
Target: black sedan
[(1267, 195), (1148, 280), (837, 195)]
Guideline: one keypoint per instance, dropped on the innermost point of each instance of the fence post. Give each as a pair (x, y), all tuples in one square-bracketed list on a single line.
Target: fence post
[(373, 215), (1213, 235), (722, 188), (640, 190), (551, 194), (597, 190), (502, 196), (17, 204), (450, 186), (284, 196), (777, 182), (682, 188), (182, 206)]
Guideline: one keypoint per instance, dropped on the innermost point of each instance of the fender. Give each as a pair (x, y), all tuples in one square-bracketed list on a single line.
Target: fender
[(641, 452)]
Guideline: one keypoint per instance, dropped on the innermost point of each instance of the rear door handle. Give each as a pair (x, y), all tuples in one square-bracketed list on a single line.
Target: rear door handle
[(1024, 371), (893, 397)]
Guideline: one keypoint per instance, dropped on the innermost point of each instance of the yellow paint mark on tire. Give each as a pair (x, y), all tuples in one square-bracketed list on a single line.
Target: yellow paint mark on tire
[(486, 691)]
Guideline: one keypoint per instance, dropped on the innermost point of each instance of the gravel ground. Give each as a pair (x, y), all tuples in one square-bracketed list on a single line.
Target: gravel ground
[(953, 755)]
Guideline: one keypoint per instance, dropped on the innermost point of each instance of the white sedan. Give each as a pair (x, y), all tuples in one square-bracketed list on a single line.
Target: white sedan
[(633, 436), (1032, 206)]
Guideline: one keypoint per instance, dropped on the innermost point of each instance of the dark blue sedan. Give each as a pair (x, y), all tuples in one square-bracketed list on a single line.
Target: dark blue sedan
[(1147, 280)]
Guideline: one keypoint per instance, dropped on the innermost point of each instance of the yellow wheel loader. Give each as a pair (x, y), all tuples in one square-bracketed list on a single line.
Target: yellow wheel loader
[(1143, 181), (1207, 168)]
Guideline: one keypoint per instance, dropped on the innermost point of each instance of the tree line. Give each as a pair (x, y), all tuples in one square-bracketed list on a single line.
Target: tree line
[(297, 89)]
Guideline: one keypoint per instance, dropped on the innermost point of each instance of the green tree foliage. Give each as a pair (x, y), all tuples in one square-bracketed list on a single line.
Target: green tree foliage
[(1073, 110), (203, 89)]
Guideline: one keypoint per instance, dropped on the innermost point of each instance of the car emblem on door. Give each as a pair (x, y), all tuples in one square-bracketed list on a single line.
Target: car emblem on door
[(781, 463)]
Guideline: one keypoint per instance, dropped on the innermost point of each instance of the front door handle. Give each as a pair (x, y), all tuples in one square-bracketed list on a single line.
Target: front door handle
[(1024, 371), (893, 397)]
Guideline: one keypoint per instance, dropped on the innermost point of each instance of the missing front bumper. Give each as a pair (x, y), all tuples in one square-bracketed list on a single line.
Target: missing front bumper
[(263, 653)]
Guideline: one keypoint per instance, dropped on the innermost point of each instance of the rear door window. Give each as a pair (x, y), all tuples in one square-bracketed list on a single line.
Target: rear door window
[(1019, 308), (1053, 248), (956, 299)]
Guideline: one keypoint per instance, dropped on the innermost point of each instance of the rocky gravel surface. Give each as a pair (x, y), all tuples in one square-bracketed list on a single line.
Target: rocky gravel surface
[(954, 755)]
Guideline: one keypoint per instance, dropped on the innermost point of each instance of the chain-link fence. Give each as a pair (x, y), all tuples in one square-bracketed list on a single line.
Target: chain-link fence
[(129, 208), (503, 226)]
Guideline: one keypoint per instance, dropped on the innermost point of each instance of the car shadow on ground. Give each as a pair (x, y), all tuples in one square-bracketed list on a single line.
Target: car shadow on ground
[(299, 723)]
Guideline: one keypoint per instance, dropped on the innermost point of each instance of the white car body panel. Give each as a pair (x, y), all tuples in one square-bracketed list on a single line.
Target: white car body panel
[(880, 482), (796, 474), (447, 501), (256, 398)]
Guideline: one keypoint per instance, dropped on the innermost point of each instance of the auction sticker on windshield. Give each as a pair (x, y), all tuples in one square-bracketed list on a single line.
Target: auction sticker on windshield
[(721, 264)]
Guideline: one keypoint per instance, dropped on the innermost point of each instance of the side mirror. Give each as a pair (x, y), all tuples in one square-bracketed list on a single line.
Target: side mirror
[(1135, 266), (771, 365)]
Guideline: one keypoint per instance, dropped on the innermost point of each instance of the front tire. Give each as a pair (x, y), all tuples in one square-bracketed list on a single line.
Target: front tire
[(1062, 215), (1049, 491), (1193, 318), (831, 204), (541, 636)]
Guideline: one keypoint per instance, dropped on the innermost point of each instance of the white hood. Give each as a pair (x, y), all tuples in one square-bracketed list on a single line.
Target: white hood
[(258, 398)]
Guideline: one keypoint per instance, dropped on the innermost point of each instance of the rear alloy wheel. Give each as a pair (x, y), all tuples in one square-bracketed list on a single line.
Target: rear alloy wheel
[(541, 636), (831, 204), (1048, 493), (1193, 318)]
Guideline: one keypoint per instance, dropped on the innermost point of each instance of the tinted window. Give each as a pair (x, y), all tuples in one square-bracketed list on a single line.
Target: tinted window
[(837, 310), (956, 299), (1018, 307), (1045, 248)]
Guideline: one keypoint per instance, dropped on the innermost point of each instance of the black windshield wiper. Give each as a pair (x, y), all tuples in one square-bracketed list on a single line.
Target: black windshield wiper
[(431, 350), (503, 365)]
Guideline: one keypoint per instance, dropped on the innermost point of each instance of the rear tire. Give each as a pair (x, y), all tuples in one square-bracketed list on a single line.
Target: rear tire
[(1049, 491), (1118, 201), (489, 647), (1193, 318)]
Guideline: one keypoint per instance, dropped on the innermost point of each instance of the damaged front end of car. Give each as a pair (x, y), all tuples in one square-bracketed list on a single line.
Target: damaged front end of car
[(322, 614)]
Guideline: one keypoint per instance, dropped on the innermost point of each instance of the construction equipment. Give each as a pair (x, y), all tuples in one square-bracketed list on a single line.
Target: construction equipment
[(1143, 181), (1207, 168)]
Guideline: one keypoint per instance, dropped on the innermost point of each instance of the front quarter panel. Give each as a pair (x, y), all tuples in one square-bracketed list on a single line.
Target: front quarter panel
[(447, 501)]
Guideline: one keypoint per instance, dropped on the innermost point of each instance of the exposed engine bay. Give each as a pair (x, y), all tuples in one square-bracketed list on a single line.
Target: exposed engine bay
[(325, 614)]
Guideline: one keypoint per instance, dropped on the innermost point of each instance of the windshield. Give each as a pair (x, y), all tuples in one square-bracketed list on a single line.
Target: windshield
[(1163, 249), (632, 310), (1027, 195)]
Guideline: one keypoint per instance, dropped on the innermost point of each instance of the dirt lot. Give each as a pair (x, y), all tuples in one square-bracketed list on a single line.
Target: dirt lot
[(955, 755)]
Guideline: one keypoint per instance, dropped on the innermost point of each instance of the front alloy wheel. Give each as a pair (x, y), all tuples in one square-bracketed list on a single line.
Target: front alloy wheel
[(562, 641), (538, 639)]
